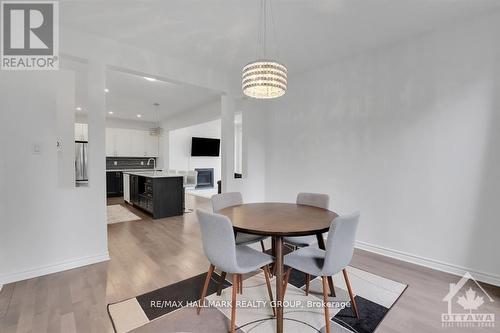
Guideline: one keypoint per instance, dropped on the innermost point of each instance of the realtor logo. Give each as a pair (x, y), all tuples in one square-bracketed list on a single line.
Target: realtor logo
[(469, 296), (30, 35)]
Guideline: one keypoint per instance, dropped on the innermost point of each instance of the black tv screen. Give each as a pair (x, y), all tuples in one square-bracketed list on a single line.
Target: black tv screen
[(205, 147)]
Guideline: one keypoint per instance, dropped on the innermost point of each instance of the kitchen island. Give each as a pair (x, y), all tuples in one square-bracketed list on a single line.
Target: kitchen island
[(158, 193)]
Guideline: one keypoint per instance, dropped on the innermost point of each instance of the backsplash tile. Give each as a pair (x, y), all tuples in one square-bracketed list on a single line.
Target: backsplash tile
[(128, 163)]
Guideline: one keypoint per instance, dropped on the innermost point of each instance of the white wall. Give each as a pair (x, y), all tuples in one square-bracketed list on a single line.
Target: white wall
[(409, 135), (254, 127), (180, 148), (47, 224)]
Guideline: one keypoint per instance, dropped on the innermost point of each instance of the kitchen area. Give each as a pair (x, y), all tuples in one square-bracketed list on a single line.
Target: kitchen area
[(136, 179), (144, 173)]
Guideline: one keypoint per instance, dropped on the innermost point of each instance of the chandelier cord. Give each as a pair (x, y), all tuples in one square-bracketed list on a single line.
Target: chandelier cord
[(273, 29), (265, 14)]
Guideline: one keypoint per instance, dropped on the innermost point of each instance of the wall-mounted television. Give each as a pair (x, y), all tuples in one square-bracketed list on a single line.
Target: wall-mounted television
[(205, 147)]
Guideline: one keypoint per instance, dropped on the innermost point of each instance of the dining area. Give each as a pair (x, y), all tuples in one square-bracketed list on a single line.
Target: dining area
[(307, 240)]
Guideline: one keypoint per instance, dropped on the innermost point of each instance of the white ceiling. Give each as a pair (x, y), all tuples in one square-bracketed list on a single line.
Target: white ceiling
[(130, 94), (223, 33)]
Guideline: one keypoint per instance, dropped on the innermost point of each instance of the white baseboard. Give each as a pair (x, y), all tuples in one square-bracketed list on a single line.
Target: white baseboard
[(430, 263), (54, 268)]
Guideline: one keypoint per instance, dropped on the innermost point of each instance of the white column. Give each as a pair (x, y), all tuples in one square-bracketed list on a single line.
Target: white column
[(65, 127), (97, 135), (227, 141)]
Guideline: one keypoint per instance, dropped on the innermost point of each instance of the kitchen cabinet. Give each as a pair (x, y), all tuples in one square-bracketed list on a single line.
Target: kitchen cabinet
[(123, 142), (134, 189), (160, 196), (114, 183), (138, 143), (126, 187), (151, 145), (110, 142), (81, 132)]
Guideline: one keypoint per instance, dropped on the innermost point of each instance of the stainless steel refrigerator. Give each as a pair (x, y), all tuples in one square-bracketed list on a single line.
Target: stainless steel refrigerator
[(81, 162)]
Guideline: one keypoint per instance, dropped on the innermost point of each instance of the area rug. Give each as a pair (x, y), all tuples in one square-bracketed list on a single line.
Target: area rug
[(118, 213), (172, 308)]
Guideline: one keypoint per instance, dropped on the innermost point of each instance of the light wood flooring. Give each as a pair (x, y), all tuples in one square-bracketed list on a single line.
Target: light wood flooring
[(146, 255)]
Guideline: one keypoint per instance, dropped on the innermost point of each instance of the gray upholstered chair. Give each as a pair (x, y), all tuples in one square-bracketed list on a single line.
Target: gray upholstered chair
[(221, 250), (223, 200), (309, 199), (325, 263)]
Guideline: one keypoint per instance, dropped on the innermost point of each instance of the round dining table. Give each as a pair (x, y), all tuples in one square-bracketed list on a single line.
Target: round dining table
[(280, 220)]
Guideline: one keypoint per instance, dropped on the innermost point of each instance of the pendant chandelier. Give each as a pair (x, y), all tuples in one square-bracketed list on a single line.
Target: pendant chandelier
[(157, 130), (264, 78)]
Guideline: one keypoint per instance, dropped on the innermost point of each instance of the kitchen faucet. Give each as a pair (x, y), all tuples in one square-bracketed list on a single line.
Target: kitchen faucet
[(154, 164)]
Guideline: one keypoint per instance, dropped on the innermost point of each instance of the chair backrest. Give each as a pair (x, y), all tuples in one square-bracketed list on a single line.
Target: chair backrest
[(223, 200), (218, 240), (340, 243), (313, 199), (192, 178)]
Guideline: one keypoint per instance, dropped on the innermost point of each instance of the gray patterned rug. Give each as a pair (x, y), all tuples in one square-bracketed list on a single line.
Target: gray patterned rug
[(172, 308)]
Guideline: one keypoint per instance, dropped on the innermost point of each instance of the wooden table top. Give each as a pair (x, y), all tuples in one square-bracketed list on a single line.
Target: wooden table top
[(279, 219)]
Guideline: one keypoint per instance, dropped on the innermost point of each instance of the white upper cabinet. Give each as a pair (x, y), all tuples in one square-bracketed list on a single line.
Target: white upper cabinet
[(130, 143), (123, 142), (81, 132), (110, 142), (137, 143), (151, 145)]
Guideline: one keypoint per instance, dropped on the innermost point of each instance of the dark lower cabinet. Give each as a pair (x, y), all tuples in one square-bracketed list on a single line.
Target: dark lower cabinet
[(159, 196), (134, 189), (114, 183)]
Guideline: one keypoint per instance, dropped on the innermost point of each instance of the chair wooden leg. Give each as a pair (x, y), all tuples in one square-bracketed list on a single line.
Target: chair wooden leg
[(269, 289), (241, 284), (285, 282), (221, 283), (308, 281), (325, 300), (233, 303), (351, 295), (332, 286), (262, 246), (205, 287)]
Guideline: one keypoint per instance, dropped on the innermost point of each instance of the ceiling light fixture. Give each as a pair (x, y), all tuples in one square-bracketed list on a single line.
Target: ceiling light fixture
[(152, 79), (78, 108), (106, 90), (110, 112), (264, 78), (139, 116)]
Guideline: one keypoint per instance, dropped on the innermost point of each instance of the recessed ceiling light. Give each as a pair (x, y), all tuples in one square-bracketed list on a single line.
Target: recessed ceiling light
[(78, 108), (110, 112), (152, 79), (106, 90), (139, 116)]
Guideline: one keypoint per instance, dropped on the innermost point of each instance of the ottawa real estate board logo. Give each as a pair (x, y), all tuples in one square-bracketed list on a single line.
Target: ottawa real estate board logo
[(29, 35), (466, 303)]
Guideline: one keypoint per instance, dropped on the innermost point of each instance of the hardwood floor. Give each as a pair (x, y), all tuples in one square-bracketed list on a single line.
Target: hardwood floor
[(147, 255)]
